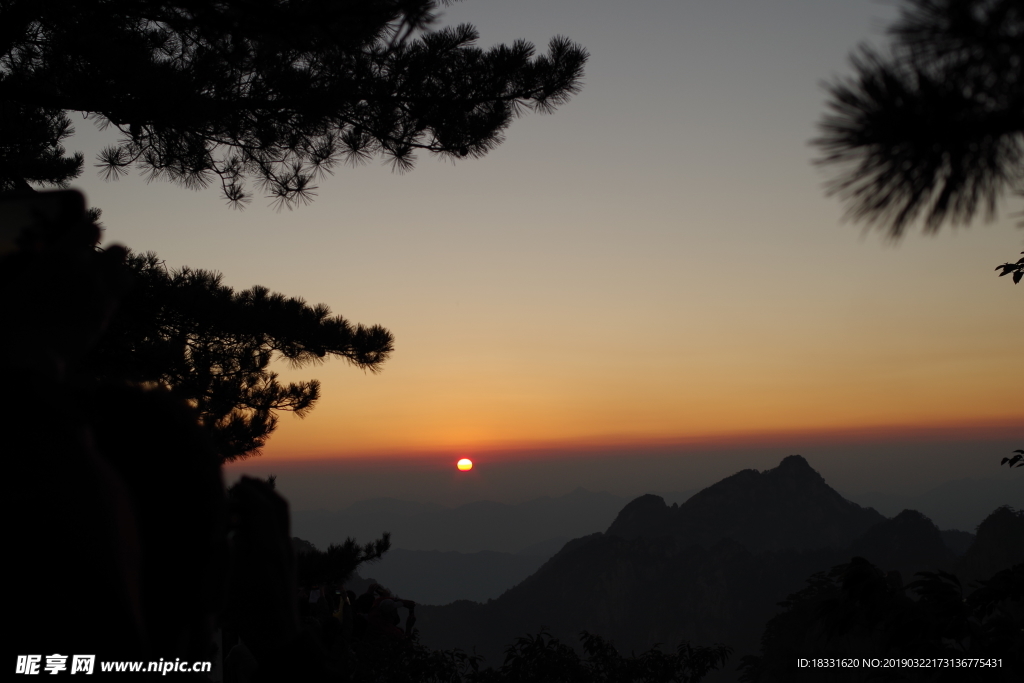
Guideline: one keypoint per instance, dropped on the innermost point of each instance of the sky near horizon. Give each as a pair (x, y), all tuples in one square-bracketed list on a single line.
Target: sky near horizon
[(655, 263)]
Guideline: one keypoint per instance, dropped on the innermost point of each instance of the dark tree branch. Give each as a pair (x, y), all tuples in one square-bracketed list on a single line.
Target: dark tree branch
[(281, 94)]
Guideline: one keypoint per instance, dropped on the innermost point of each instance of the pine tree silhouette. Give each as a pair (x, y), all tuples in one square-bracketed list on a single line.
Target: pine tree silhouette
[(934, 127), (275, 92), (185, 331)]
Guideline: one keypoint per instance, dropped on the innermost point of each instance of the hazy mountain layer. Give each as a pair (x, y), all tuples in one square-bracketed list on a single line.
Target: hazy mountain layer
[(436, 578), (469, 528), (959, 504)]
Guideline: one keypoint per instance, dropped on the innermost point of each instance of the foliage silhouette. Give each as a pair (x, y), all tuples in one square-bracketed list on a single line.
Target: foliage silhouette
[(935, 127), (273, 91), (1016, 461), (1014, 269), (380, 661), (538, 658), (31, 149), (186, 331), (339, 561), (857, 610)]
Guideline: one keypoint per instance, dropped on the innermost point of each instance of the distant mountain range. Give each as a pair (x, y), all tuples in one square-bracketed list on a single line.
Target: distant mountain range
[(710, 570), (480, 550), (542, 524), (547, 522), (432, 577), (959, 504)]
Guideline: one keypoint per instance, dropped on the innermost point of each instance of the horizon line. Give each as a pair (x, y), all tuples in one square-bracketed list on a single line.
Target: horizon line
[(999, 429)]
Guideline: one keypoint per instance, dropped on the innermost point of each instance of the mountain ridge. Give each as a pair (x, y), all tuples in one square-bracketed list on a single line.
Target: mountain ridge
[(790, 506)]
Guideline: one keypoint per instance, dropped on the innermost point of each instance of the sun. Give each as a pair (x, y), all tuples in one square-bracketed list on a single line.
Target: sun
[(465, 464)]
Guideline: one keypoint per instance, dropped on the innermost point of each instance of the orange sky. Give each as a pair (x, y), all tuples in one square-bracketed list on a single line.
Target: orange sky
[(910, 372), (657, 262)]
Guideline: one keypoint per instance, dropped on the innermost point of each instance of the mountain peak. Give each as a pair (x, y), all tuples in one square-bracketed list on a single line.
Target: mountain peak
[(646, 515), (909, 542), (797, 467), (795, 462), (789, 506)]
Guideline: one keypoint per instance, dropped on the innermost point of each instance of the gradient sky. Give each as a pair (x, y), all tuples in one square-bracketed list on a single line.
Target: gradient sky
[(655, 263)]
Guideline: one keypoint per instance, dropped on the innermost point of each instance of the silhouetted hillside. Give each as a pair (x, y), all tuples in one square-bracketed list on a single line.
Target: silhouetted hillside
[(433, 577), (908, 543), (544, 549), (957, 541), (999, 545), (959, 504), (637, 592), (469, 528), (790, 506)]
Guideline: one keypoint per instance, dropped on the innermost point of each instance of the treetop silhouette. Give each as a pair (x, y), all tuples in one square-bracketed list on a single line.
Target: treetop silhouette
[(277, 92), (1014, 270), (936, 126)]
